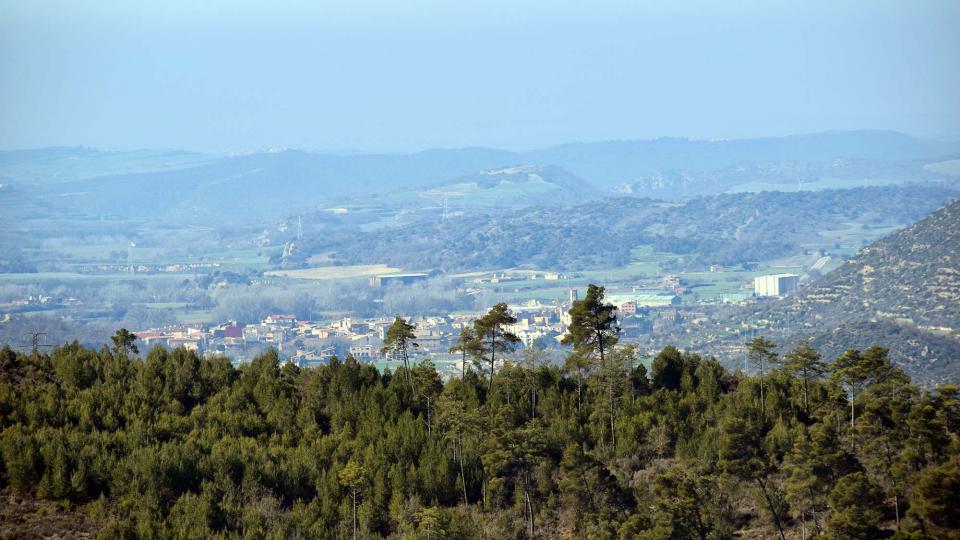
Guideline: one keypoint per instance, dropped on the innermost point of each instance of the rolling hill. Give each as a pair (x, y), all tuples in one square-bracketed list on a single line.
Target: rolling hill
[(724, 229), (264, 185), (516, 187)]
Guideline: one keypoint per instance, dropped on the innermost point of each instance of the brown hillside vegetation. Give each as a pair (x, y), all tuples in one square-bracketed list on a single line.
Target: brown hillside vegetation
[(903, 290)]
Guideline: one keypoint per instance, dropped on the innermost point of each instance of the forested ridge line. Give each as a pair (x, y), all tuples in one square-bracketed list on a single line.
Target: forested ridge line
[(174, 446)]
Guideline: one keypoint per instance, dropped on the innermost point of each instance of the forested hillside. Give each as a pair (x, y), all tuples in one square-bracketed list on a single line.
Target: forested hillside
[(722, 229), (175, 446)]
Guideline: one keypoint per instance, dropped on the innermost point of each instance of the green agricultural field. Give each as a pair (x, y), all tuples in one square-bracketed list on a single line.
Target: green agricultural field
[(542, 294), (238, 259), (644, 266), (630, 272), (651, 260), (102, 252)]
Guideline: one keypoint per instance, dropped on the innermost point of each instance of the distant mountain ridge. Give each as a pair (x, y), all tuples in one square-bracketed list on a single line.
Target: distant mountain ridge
[(616, 162), (786, 176), (197, 187), (267, 184), (63, 164)]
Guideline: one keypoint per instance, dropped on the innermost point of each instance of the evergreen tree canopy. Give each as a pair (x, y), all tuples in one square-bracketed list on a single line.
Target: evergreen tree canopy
[(174, 445), (493, 337)]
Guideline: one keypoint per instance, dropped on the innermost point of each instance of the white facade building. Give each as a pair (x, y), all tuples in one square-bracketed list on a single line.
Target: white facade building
[(775, 284)]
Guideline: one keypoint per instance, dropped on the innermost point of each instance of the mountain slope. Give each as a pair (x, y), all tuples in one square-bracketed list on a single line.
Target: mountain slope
[(912, 277), (902, 291)]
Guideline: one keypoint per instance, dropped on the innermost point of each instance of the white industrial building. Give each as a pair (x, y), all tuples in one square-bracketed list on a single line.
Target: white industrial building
[(775, 284)]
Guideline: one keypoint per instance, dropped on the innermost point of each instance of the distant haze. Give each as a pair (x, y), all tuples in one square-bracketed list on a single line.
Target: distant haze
[(400, 76)]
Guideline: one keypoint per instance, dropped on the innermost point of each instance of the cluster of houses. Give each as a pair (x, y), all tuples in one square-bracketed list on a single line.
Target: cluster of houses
[(308, 343), (37, 302), (312, 342)]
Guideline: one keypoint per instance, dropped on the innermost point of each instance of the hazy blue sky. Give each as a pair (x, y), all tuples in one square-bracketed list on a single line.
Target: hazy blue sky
[(395, 76)]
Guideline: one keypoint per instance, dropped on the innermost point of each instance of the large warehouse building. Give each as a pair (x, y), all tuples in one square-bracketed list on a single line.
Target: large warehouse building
[(775, 284), (402, 279)]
